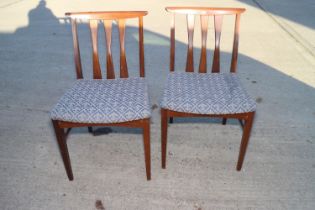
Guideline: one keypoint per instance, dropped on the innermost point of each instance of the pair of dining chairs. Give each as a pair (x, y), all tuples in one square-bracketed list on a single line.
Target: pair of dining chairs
[(124, 101)]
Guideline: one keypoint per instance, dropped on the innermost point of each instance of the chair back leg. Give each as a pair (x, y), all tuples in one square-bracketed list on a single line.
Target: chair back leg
[(90, 129)]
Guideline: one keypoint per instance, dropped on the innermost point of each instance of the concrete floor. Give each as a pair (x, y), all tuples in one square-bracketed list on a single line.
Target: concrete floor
[(276, 64)]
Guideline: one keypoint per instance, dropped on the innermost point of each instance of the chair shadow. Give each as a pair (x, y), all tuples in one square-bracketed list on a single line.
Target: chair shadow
[(47, 56)]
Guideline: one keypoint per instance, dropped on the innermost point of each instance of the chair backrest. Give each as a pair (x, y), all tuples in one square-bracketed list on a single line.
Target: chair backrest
[(107, 18), (204, 13)]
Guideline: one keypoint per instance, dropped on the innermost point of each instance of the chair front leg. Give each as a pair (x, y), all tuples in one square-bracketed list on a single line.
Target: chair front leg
[(245, 139), (61, 139), (164, 124), (147, 147)]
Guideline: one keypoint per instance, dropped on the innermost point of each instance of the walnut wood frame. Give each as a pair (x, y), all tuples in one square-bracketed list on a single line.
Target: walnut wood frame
[(62, 128), (245, 119)]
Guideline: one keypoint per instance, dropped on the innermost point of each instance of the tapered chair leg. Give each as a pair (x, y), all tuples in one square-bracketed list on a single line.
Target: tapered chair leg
[(147, 148), (164, 118), (245, 139), (60, 135)]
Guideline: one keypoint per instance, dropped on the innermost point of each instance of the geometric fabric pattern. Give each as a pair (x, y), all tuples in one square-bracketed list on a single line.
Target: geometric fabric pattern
[(206, 93), (104, 101)]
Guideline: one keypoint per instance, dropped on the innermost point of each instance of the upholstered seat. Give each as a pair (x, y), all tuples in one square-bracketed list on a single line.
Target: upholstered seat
[(104, 101), (212, 93)]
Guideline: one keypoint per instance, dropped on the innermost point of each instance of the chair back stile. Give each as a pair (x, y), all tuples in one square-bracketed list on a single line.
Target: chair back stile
[(107, 18), (235, 43), (204, 14)]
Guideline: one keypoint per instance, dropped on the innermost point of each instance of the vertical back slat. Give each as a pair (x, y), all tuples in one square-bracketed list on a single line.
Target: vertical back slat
[(190, 51), (107, 18), (97, 74), (76, 48), (203, 55), (123, 61), (109, 59), (235, 43), (216, 56), (172, 54), (141, 47)]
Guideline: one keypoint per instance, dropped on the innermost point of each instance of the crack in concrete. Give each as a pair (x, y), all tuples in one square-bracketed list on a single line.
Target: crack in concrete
[(10, 4), (25, 108), (291, 32)]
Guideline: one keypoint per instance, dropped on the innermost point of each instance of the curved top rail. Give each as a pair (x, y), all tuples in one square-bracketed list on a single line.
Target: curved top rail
[(205, 10), (107, 15)]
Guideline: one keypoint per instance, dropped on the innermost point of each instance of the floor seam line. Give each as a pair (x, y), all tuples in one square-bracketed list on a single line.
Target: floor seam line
[(10, 4), (290, 32)]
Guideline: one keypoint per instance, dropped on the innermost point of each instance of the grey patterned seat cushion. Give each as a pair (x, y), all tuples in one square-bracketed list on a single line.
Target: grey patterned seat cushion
[(211, 93), (104, 101)]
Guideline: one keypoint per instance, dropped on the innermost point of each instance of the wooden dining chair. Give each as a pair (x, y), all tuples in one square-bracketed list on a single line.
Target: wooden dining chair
[(202, 94), (113, 101)]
